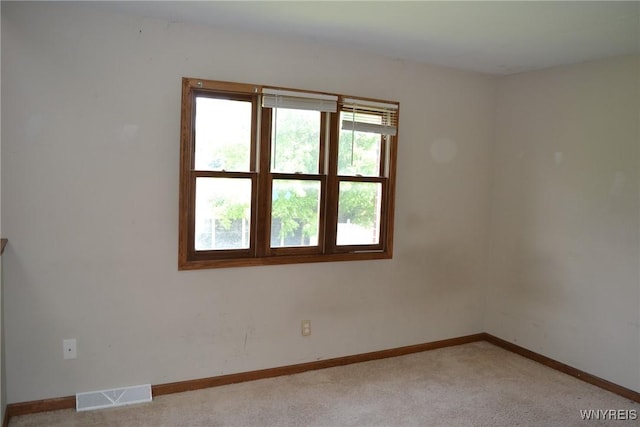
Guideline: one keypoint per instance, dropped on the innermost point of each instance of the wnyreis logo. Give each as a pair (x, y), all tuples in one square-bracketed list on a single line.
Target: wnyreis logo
[(609, 414)]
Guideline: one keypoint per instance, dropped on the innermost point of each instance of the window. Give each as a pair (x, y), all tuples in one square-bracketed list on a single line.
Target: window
[(275, 176)]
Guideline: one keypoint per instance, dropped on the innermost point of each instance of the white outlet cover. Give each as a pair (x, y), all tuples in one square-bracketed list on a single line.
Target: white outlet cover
[(69, 349), (306, 328)]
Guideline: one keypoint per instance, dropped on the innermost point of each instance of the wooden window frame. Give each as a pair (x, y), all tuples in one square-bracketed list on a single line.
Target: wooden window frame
[(260, 251)]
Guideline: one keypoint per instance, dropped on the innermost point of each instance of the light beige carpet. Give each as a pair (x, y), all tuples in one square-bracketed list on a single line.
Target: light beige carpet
[(474, 384)]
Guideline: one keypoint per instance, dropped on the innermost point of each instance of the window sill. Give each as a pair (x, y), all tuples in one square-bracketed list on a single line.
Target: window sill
[(279, 260)]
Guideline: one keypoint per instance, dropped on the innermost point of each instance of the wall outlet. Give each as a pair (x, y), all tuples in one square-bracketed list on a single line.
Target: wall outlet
[(306, 328), (69, 349)]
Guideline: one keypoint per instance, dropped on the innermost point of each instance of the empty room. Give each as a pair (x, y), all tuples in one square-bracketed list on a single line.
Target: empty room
[(320, 213)]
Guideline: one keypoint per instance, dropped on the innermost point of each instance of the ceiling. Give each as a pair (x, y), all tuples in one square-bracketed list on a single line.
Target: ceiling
[(495, 37)]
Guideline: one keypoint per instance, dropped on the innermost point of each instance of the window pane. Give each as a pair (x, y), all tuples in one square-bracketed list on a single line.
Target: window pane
[(359, 210), (223, 134), (295, 213), (223, 213), (295, 145), (359, 152)]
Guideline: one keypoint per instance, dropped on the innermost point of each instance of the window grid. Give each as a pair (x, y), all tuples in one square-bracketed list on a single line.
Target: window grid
[(300, 246)]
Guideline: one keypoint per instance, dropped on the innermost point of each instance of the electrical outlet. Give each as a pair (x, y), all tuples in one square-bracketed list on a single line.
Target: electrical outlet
[(69, 348), (306, 328)]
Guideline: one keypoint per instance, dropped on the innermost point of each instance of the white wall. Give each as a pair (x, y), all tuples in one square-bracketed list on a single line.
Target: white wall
[(565, 217), (90, 113)]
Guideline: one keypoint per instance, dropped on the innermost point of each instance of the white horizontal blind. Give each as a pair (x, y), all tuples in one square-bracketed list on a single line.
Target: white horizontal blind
[(369, 116), (276, 98)]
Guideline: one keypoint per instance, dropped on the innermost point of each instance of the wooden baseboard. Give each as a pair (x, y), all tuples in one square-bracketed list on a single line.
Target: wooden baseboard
[(559, 366), (69, 402), (44, 405), (181, 386)]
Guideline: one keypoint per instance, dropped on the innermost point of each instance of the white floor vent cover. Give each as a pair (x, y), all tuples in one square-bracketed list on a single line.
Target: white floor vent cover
[(112, 398)]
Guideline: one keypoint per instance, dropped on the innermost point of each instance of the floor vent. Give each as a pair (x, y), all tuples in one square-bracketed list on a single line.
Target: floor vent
[(112, 398)]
